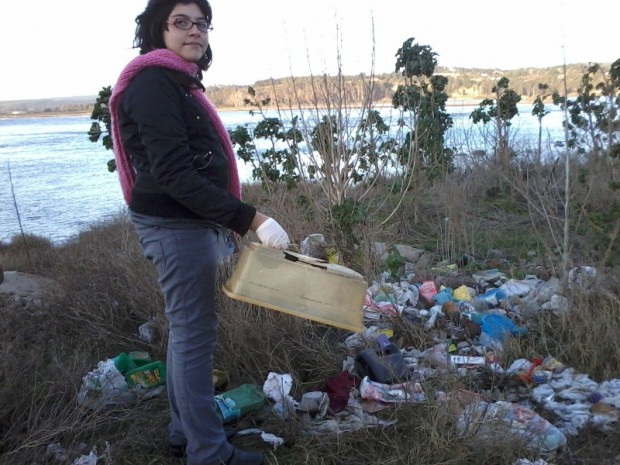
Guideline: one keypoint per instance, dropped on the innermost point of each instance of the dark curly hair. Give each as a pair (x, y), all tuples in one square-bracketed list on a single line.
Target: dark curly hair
[(152, 21)]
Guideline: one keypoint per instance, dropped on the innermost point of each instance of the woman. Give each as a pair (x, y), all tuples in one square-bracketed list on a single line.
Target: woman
[(179, 178)]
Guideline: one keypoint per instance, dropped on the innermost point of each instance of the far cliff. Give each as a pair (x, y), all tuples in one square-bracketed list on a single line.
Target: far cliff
[(468, 84)]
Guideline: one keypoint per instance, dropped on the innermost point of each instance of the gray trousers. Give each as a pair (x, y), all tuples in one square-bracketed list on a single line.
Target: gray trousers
[(186, 259)]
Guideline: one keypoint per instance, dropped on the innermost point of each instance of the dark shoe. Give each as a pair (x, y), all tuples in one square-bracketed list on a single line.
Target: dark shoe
[(178, 451), (245, 457)]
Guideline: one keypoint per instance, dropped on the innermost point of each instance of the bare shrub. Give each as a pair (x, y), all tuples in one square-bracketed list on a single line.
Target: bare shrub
[(28, 254)]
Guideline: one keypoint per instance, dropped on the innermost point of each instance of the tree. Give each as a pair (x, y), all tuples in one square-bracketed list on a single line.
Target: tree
[(101, 113), (500, 110), (278, 162), (594, 121), (424, 98), (540, 111)]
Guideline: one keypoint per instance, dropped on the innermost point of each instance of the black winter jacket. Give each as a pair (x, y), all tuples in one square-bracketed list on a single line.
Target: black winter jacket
[(181, 167)]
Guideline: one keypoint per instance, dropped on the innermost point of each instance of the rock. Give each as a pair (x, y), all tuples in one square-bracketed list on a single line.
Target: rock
[(148, 332), (495, 254), (410, 254), (25, 288)]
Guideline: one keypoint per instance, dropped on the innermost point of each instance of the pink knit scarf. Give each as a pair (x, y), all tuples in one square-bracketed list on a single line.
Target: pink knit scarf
[(163, 58)]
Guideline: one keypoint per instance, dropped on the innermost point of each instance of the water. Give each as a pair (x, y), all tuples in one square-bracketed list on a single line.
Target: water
[(56, 182)]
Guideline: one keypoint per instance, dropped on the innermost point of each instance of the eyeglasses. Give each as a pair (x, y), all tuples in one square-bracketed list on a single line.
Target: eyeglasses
[(185, 24)]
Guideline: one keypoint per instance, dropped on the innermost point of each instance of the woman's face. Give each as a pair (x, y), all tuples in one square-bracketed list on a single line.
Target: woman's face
[(190, 44)]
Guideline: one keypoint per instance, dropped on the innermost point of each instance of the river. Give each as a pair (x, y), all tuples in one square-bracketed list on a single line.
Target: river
[(54, 182)]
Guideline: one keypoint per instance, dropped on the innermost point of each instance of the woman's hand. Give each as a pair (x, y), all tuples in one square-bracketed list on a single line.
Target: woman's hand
[(269, 232)]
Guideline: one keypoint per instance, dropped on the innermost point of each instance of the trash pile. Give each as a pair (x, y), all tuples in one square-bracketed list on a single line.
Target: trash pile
[(121, 381), (468, 324)]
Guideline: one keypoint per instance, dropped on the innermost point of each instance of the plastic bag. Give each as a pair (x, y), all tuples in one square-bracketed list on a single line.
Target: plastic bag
[(492, 420), (277, 387), (105, 386), (392, 393)]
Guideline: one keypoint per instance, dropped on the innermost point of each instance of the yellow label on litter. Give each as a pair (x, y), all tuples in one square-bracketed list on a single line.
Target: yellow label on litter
[(333, 256), (146, 378), (387, 331)]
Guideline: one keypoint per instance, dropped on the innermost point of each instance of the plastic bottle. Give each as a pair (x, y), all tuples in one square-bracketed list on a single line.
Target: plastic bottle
[(384, 365)]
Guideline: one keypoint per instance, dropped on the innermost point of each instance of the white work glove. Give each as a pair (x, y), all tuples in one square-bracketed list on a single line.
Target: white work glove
[(273, 235)]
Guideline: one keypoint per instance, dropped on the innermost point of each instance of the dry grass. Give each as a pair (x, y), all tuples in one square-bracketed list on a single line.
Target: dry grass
[(108, 290), (29, 254), (587, 335)]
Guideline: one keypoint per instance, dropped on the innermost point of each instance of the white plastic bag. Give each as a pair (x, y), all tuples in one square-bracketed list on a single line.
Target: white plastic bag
[(494, 420)]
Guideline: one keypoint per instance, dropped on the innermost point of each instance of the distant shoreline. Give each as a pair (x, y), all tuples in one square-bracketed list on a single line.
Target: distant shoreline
[(48, 114), (452, 102), (466, 88)]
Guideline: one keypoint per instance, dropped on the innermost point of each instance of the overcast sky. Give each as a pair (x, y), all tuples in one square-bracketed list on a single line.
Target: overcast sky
[(74, 47)]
